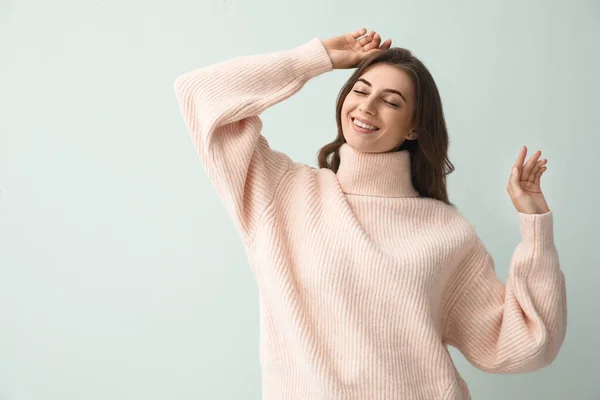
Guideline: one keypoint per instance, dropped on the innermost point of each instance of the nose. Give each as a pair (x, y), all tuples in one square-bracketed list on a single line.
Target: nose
[(367, 106)]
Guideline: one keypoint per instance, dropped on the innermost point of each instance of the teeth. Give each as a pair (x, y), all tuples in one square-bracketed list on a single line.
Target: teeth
[(358, 123)]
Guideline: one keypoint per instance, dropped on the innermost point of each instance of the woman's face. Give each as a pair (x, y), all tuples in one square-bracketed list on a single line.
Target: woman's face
[(384, 98)]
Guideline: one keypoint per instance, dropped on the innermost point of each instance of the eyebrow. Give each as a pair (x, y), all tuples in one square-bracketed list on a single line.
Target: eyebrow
[(385, 90)]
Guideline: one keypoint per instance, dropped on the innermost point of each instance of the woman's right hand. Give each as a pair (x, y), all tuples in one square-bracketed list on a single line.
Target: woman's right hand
[(347, 51)]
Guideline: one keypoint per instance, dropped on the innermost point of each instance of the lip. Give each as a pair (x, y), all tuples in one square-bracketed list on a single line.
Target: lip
[(362, 131), (365, 121)]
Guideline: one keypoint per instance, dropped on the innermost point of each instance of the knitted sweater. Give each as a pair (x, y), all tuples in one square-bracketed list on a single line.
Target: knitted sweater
[(363, 284)]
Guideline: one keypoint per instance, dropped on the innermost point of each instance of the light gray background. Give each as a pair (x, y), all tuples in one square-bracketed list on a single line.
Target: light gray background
[(121, 275)]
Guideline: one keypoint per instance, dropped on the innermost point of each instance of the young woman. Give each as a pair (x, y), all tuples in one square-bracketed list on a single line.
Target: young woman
[(366, 271)]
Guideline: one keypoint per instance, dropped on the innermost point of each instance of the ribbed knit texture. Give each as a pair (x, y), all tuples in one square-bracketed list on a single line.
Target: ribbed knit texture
[(363, 283)]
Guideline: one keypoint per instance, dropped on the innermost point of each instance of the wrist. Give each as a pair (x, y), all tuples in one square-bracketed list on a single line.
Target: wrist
[(329, 53), (335, 55), (540, 210)]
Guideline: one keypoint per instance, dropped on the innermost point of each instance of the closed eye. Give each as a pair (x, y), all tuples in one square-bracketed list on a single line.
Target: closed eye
[(387, 102)]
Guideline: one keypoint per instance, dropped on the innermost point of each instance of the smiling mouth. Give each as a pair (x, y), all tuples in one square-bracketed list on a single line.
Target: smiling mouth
[(361, 129)]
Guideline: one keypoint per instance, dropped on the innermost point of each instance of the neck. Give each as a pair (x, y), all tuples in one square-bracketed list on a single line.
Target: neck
[(375, 174)]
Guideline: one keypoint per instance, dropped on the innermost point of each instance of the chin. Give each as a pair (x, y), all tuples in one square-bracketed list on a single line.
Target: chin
[(367, 143), (361, 144)]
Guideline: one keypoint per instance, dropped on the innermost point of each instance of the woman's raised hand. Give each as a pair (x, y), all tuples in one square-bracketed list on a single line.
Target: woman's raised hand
[(347, 51), (524, 184)]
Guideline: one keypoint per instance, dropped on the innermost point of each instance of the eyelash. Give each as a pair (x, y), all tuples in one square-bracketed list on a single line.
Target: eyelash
[(391, 104)]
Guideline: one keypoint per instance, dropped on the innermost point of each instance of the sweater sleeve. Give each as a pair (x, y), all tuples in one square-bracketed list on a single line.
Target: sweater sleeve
[(221, 104), (519, 326)]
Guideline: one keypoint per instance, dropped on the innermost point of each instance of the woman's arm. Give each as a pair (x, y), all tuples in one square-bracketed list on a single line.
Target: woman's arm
[(220, 105), (516, 327)]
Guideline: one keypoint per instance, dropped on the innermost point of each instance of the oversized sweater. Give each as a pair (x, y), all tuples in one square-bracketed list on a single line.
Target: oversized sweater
[(363, 284)]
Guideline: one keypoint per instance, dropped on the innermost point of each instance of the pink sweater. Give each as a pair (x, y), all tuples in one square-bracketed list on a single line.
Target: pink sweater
[(363, 284)]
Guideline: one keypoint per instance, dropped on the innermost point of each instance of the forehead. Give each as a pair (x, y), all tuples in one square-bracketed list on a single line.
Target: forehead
[(386, 76)]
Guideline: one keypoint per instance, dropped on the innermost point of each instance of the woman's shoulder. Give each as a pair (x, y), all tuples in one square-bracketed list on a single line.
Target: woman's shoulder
[(301, 175), (448, 215), (302, 170)]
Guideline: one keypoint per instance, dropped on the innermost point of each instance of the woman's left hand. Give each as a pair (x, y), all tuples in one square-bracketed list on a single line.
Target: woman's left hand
[(524, 184)]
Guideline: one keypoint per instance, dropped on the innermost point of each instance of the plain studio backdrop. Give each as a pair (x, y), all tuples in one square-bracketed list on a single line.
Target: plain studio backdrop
[(121, 275)]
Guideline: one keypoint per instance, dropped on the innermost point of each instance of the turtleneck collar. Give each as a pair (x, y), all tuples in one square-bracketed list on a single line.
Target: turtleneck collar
[(375, 174)]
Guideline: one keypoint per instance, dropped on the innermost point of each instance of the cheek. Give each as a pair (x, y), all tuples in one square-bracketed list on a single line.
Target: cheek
[(348, 107), (401, 119)]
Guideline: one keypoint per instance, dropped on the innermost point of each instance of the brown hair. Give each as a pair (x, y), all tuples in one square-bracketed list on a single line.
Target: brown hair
[(429, 152)]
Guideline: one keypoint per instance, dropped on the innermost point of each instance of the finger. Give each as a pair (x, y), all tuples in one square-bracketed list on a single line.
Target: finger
[(366, 41), (535, 169), (386, 45), (525, 175), (539, 174), (520, 159), (513, 180), (374, 43), (358, 33)]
